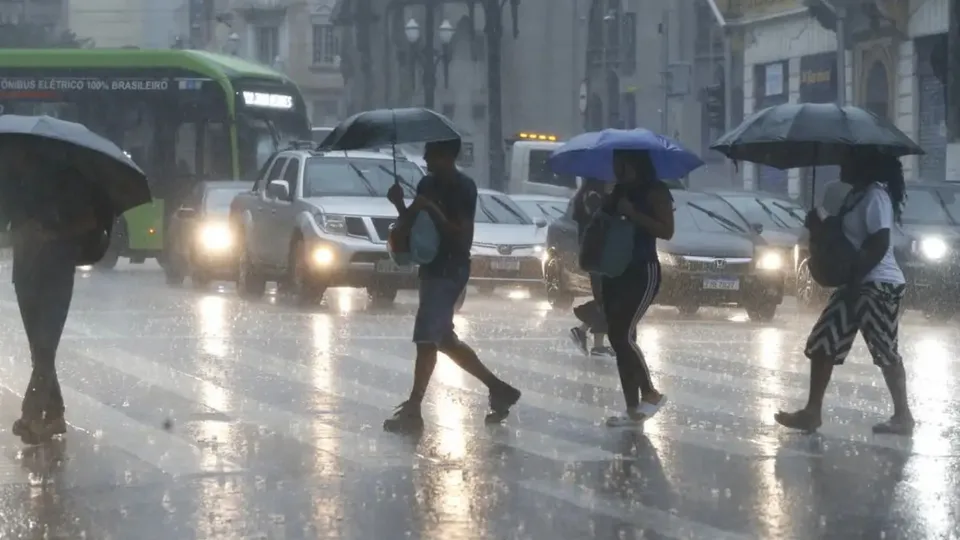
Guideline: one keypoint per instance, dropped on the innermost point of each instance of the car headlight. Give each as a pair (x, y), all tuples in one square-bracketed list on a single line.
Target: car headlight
[(770, 260), (933, 248), (216, 237), (538, 250), (666, 259), (322, 256), (332, 223)]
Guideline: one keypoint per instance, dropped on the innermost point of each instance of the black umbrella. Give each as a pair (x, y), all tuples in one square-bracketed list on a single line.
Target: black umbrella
[(98, 160), (811, 134), (387, 127)]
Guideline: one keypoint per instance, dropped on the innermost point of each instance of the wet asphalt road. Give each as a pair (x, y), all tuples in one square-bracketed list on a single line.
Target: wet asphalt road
[(274, 428)]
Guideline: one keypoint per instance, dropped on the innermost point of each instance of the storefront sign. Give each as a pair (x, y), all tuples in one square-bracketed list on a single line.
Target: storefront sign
[(268, 101), (86, 84), (818, 78)]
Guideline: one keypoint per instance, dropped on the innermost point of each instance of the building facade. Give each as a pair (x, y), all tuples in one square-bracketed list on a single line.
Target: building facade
[(894, 64), (566, 66)]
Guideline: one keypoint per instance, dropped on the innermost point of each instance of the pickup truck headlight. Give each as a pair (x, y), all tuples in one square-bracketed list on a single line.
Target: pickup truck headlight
[(332, 223), (932, 248), (769, 260)]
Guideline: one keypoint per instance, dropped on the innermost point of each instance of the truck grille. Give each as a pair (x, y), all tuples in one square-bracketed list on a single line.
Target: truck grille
[(356, 227), (382, 226)]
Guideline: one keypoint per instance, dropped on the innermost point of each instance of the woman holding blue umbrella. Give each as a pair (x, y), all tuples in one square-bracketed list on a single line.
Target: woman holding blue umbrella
[(636, 160)]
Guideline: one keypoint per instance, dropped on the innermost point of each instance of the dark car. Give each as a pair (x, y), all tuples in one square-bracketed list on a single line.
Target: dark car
[(779, 221), (200, 240), (713, 259), (927, 247)]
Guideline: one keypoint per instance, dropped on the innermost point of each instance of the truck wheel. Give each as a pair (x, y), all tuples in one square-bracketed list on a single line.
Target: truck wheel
[(305, 288), (250, 283), (557, 296), (381, 295), (763, 312)]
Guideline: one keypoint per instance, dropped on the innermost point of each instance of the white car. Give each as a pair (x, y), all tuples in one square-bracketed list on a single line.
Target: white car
[(547, 207), (321, 219), (507, 244)]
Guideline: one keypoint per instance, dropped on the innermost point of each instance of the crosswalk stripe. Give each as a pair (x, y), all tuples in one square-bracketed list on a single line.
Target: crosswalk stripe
[(534, 443), (154, 446), (590, 413), (663, 523)]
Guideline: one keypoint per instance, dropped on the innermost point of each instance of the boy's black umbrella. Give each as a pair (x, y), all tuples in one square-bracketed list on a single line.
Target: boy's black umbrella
[(388, 127), (72, 145), (811, 134)]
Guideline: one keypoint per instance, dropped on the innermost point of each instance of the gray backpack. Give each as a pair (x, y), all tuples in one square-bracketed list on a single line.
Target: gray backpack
[(833, 257)]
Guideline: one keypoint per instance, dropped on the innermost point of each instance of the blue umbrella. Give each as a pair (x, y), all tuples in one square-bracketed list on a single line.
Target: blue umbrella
[(591, 154)]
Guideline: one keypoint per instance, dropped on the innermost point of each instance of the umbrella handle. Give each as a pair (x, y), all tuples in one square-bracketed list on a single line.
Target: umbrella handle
[(393, 146)]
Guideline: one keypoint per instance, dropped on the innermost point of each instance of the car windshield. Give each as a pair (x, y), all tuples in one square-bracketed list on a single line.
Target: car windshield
[(219, 199), (543, 209), (500, 209), (357, 177), (707, 214), (771, 213), (925, 207)]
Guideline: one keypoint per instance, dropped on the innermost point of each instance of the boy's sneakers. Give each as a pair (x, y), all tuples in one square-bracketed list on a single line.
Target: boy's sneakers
[(406, 418), (579, 338), (500, 402)]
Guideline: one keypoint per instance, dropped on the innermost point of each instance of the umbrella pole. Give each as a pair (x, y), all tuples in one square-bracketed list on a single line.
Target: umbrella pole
[(393, 146)]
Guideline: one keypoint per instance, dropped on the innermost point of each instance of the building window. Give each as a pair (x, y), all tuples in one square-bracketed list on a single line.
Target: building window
[(326, 45), (267, 43)]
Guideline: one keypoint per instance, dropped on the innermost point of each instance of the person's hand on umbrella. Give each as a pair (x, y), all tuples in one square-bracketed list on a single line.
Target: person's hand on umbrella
[(812, 220), (395, 194)]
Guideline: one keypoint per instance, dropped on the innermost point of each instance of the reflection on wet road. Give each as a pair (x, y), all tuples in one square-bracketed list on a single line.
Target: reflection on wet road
[(195, 415)]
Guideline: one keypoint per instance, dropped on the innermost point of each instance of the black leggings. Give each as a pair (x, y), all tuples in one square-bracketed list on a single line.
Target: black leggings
[(625, 300)]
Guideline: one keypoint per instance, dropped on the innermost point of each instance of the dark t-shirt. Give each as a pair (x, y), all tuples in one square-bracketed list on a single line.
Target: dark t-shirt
[(457, 199), (644, 243)]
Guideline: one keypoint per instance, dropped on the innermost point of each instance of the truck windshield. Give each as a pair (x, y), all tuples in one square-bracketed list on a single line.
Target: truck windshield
[(328, 176)]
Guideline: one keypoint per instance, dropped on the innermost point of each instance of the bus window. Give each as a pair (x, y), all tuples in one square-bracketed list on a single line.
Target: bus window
[(202, 151), (540, 172)]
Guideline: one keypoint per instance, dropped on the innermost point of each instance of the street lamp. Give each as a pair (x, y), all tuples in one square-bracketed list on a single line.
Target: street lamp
[(428, 56)]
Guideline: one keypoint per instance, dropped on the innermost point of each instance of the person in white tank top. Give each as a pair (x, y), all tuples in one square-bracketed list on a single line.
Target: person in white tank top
[(871, 303)]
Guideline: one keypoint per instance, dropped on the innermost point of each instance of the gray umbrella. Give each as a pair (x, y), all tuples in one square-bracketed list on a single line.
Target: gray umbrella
[(385, 127), (96, 159), (811, 134)]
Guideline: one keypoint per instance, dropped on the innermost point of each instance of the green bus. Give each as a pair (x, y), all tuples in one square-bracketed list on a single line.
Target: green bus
[(184, 116)]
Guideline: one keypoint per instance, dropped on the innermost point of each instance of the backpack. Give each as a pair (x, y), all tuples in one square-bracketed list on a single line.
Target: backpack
[(417, 244), (606, 247), (833, 257)]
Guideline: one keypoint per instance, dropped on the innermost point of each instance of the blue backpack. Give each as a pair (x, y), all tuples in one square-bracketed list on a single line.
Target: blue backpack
[(423, 243), (607, 244)]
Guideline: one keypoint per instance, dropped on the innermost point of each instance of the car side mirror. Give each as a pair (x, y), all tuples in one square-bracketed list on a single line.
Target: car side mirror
[(186, 213), (540, 223), (278, 189), (757, 227)]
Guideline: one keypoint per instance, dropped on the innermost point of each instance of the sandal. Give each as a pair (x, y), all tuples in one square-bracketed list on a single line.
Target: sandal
[(800, 420)]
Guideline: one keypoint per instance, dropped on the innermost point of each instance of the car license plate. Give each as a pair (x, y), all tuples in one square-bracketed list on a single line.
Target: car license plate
[(389, 267), (721, 284), (505, 264)]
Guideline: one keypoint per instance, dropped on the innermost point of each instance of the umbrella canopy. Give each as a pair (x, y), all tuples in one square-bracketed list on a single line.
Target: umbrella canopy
[(591, 154), (386, 127), (98, 160), (811, 134)]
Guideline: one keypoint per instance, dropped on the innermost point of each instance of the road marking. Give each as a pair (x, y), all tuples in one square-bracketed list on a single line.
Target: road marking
[(152, 445), (664, 523)]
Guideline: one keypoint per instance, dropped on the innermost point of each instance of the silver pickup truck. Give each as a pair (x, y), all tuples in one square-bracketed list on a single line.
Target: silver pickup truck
[(315, 220)]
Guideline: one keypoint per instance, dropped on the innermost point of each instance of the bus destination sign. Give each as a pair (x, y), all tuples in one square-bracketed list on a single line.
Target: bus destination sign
[(269, 101), (95, 84)]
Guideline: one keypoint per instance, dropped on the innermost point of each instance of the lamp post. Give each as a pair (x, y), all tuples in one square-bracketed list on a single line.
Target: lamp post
[(426, 53)]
